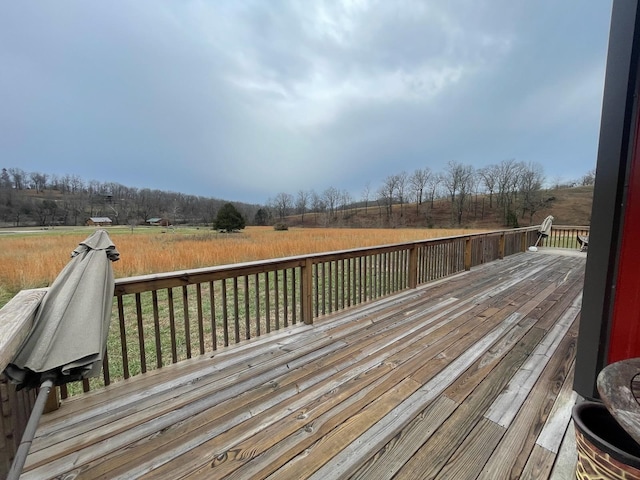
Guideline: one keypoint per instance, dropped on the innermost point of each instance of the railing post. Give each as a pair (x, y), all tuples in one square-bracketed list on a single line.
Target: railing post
[(501, 246), (307, 291), (467, 253), (16, 320), (523, 241), (413, 266)]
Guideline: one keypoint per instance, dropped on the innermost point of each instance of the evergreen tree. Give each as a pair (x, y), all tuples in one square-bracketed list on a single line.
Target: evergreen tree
[(262, 217), (229, 219)]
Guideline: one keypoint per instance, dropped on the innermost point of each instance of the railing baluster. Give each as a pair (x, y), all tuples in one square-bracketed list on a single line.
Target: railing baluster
[(236, 311), (306, 291), (156, 327), (285, 298), (391, 277), (267, 296), (225, 313), (349, 286), (373, 288), (106, 377), (212, 306), (365, 278), (388, 273), (200, 318), (358, 277), (123, 338), (426, 258), (390, 265), (276, 285), (247, 319), (373, 262), (343, 300), (172, 326), (257, 302), (394, 270), (294, 308), (316, 289), (397, 270), (330, 285), (143, 355), (335, 285), (187, 324), (324, 292)]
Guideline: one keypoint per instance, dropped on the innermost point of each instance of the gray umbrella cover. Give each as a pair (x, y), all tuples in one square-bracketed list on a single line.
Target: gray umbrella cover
[(545, 227), (68, 339)]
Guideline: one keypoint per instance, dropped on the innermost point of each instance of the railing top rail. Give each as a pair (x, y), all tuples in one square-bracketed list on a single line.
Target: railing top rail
[(186, 276), (16, 319), (571, 227)]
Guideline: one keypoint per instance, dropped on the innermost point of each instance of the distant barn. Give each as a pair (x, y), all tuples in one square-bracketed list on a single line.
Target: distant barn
[(159, 221), (99, 221)]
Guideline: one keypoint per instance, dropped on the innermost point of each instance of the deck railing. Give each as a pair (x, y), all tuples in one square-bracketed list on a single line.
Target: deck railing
[(165, 318), (564, 236)]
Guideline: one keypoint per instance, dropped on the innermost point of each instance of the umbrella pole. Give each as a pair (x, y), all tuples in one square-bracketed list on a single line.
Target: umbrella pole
[(535, 245), (30, 431), (538, 240)]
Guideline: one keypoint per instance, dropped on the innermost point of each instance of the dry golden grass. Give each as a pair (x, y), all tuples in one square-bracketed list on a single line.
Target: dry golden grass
[(34, 260)]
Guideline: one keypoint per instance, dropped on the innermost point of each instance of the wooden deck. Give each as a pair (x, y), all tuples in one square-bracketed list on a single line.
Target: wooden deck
[(469, 377)]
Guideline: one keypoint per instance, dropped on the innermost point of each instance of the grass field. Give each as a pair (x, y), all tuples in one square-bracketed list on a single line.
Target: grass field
[(34, 258)]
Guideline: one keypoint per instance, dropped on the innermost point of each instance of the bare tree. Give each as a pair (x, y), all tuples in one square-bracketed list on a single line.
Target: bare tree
[(19, 178), (588, 178), (5, 180), (345, 201), (473, 190), (433, 185), (489, 178), (401, 189), (387, 191), (282, 204), (77, 185), (366, 192), (458, 179), (331, 197), (302, 203), (317, 204), (531, 180), (418, 183), (508, 172)]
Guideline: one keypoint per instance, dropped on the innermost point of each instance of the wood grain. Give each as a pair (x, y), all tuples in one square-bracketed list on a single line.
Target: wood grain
[(16, 318), (395, 387)]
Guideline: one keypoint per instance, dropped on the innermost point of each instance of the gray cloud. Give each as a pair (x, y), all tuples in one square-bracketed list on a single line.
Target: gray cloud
[(244, 99)]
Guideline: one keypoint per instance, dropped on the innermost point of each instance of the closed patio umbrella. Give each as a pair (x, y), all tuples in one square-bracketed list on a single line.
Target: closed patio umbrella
[(543, 231), (545, 226), (67, 341)]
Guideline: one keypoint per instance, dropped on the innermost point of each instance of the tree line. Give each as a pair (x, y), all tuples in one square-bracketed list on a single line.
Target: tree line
[(515, 190), (34, 198)]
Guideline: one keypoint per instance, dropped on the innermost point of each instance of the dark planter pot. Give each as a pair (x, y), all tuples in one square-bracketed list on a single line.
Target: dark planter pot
[(605, 450)]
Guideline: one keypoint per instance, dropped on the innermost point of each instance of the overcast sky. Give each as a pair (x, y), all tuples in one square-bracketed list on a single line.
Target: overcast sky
[(241, 100)]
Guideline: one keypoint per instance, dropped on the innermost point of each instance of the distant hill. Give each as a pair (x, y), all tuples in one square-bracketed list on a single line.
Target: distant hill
[(569, 206), (34, 199)]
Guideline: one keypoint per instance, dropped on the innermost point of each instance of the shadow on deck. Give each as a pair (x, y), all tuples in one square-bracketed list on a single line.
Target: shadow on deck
[(469, 377)]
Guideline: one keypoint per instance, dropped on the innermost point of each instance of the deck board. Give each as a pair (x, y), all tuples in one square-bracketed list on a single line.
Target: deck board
[(468, 377)]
